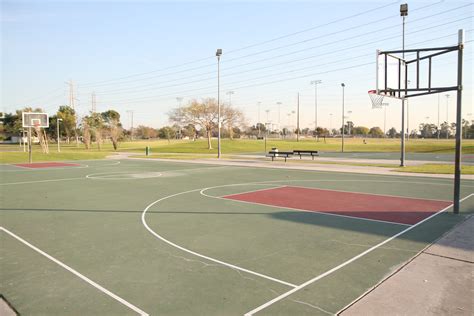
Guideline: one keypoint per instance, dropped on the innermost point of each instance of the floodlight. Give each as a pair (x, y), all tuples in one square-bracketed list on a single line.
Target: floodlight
[(404, 9)]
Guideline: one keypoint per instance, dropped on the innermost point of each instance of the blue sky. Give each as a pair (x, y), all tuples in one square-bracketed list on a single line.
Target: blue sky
[(141, 55)]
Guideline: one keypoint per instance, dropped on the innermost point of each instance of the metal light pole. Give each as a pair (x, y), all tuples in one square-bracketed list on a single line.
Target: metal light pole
[(330, 123), (180, 99), (403, 14), (131, 126), (298, 119), (316, 82), (258, 118), (408, 120), (57, 131), (438, 118), (447, 122), (218, 54), (279, 115), (343, 86)]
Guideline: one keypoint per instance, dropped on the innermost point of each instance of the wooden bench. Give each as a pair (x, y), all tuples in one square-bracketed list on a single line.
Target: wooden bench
[(284, 154), (311, 153)]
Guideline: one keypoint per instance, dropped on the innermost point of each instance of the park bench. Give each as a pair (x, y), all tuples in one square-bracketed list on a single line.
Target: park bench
[(284, 154), (311, 153)]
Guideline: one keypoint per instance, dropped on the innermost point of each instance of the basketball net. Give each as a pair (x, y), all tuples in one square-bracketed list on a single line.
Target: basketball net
[(377, 99)]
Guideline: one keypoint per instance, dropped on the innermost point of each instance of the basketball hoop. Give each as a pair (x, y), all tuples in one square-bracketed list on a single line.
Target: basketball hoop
[(376, 99)]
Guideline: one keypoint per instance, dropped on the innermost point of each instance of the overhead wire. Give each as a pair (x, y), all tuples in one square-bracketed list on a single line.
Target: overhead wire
[(387, 38)]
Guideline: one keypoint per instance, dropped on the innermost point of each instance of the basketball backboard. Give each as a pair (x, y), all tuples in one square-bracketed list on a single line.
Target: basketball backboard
[(32, 119), (390, 75)]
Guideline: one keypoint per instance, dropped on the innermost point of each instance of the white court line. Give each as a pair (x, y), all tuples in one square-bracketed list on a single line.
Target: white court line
[(118, 173), (94, 284), (82, 166), (295, 209), (299, 287), (198, 254), (40, 181), (26, 169)]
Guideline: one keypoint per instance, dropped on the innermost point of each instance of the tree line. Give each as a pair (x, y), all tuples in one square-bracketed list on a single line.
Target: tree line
[(196, 119)]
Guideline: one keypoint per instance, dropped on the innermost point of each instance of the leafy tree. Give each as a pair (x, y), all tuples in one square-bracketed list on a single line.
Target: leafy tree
[(361, 130), (145, 132), (392, 133), (445, 130), (112, 123), (95, 122), (428, 130), (167, 132), (376, 132), (69, 121)]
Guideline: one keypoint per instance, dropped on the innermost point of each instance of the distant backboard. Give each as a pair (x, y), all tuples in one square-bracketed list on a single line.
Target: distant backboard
[(390, 75), (32, 119)]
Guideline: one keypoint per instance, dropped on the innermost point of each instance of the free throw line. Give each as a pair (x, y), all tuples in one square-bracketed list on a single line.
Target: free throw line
[(299, 287), (83, 277)]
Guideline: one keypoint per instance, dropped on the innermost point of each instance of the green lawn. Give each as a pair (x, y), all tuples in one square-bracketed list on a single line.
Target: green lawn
[(11, 153), (67, 153), (331, 144), (436, 168)]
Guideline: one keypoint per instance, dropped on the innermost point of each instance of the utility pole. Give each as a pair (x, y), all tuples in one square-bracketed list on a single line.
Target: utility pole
[(298, 118), (316, 82), (71, 93), (94, 108), (72, 98), (131, 125), (230, 93)]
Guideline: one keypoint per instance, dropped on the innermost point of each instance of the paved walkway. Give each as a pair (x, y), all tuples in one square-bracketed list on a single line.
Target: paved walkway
[(439, 281), (256, 161)]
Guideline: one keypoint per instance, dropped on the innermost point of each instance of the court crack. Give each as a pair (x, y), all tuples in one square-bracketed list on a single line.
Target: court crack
[(312, 306)]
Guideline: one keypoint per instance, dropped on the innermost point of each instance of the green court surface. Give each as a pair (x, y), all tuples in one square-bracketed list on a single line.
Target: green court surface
[(159, 238)]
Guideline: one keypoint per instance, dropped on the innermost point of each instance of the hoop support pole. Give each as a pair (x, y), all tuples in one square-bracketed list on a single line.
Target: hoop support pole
[(457, 157)]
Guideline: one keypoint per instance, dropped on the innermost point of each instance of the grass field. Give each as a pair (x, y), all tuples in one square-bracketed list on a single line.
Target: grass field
[(164, 238), (245, 146), (332, 144), (375, 148)]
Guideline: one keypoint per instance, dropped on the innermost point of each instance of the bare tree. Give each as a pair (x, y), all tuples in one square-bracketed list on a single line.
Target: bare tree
[(204, 115), (232, 117)]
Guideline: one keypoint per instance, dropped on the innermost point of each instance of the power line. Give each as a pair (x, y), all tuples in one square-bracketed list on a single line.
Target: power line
[(293, 70), (153, 85)]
